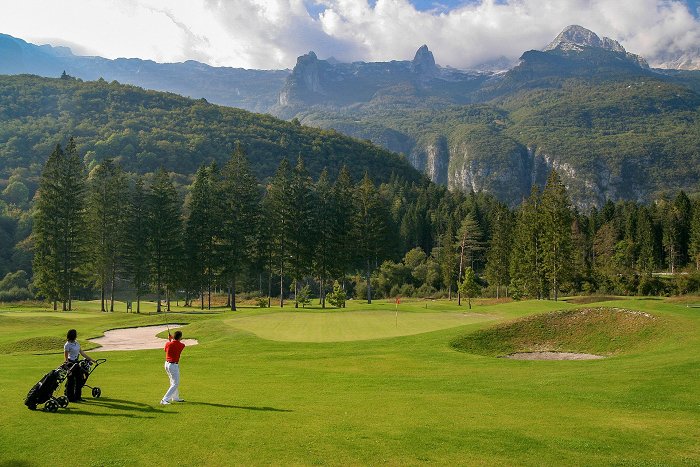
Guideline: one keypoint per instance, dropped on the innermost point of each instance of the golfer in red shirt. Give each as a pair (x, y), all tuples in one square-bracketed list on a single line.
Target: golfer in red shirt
[(173, 349)]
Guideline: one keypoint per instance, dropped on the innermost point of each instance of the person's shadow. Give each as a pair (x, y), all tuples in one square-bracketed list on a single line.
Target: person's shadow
[(240, 407), (118, 408)]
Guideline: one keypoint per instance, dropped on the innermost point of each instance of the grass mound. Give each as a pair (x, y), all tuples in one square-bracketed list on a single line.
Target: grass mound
[(34, 344), (601, 331)]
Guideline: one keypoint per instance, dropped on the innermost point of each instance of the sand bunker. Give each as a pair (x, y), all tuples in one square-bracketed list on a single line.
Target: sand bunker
[(135, 339), (553, 356)]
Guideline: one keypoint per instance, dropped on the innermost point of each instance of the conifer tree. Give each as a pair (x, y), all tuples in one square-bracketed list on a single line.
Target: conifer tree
[(526, 271), (343, 206), (106, 218), (302, 238), (47, 230), (694, 245), (136, 241), (469, 287), (447, 258), (468, 243), (369, 225), (556, 233), (498, 257), (645, 242), (60, 226), (326, 219), (202, 233), (165, 234), (240, 220), (278, 216)]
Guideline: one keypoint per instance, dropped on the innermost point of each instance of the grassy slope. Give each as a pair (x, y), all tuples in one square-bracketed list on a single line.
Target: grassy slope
[(403, 400)]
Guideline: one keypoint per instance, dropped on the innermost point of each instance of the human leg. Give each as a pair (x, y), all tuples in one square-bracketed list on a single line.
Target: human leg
[(173, 372)]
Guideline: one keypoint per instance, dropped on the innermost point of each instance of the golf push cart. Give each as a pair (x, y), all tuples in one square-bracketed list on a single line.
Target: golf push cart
[(43, 391)]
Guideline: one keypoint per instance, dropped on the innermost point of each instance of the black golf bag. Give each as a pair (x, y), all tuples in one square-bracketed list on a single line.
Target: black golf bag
[(42, 392)]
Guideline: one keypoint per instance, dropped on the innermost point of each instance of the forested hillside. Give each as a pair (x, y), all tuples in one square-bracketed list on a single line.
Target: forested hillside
[(145, 130)]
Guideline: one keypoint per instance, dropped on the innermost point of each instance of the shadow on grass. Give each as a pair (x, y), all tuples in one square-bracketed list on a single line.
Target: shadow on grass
[(122, 408), (242, 407)]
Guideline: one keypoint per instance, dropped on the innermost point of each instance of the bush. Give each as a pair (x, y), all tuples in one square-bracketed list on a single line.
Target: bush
[(337, 297), (261, 302), (426, 291), (15, 294)]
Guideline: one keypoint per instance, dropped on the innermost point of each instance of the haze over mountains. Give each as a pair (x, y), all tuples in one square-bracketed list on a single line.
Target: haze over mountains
[(614, 127)]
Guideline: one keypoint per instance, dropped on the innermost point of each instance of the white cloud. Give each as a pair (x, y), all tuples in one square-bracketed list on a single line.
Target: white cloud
[(272, 33)]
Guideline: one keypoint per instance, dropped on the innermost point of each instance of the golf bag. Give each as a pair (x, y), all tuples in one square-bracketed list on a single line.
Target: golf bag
[(42, 392)]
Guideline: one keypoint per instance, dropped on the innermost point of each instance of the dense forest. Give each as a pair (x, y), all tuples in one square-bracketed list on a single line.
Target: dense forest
[(104, 231)]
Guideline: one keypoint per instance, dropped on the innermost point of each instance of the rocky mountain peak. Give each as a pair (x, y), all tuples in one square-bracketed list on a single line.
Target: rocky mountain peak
[(424, 62), (574, 37)]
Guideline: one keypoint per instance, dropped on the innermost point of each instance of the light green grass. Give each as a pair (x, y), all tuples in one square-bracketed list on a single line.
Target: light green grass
[(403, 400)]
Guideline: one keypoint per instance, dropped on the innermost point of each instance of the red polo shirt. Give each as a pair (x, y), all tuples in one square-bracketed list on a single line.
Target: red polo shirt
[(173, 349)]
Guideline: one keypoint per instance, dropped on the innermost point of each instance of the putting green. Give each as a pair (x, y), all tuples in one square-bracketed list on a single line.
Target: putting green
[(350, 325)]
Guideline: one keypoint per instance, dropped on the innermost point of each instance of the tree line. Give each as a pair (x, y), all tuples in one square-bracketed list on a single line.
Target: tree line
[(293, 236)]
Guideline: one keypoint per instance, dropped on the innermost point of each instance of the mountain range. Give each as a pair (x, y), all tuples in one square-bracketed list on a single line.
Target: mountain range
[(614, 127)]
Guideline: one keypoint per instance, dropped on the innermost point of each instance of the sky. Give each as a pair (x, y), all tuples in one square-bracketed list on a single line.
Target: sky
[(271, 34)]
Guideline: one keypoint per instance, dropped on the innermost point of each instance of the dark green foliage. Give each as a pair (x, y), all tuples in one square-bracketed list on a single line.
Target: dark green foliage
[(469, 287), (144, 130), (135, 241), (556, 234), (164, 235), (59, 228)]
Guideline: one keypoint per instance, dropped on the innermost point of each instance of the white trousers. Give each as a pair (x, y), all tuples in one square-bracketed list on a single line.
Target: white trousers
[(173, 371)]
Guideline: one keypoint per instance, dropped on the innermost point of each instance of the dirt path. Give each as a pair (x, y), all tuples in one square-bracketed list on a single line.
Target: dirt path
[(553, 356), (135, 339)]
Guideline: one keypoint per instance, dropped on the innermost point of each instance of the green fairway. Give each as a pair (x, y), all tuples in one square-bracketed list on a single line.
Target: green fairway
[(351, 387)]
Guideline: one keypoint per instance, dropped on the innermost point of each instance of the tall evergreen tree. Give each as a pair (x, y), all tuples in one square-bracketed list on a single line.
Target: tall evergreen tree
[(556, 233), (165, 235), (302, 238), (47, 229), (106, 218), (202, 233), (343, 207), (326, 220), (683, 211), (240, 219), (498, 256), (694, 245), (645, 242), (369, 225), (60, 226), (468, 243), (136, 241), (447, 258), (526, 271), (278, 216)]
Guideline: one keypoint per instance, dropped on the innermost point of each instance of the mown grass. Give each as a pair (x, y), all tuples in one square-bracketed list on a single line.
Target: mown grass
[(399, 400)]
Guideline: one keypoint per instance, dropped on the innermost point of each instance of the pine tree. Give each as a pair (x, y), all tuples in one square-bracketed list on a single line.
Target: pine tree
[(240, 220), (202, 233), (47, 229), (106, 218), (683, 211), (278, 216), (469, 287), (447, 258), (136, 241), (165, 235), (302, 238), (468, 243), (526, 271), (369, 225), (326, 219), (60, 226), (343, 206), (694, 246), (645, 242), (556, 233), (498, 256)]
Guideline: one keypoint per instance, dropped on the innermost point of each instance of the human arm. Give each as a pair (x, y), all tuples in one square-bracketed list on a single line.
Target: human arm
[(86, 356), (65, 355)]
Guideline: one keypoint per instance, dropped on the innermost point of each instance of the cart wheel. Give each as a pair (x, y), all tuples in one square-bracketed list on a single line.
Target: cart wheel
[(51, 406), (62, 401), (96, 392)]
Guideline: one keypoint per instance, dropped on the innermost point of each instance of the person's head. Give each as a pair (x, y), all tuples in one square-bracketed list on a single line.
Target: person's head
[(72, 335), (178, 335)]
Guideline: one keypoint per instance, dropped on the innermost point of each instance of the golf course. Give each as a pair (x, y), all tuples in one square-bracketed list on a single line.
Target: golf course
[(367, 385)]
